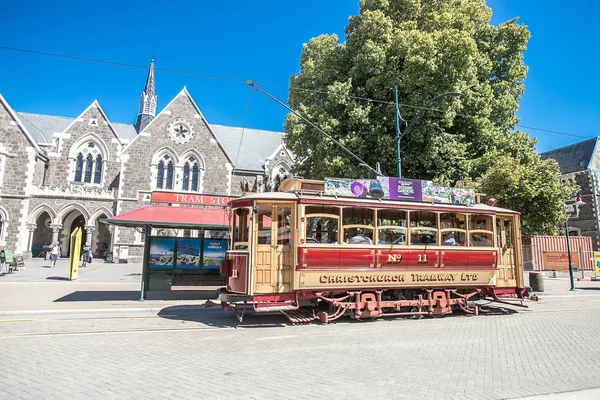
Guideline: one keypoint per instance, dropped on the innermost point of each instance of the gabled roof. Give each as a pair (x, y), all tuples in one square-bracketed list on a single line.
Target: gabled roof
[(574, 157), (256, 145), (23, 128), (42, 126)]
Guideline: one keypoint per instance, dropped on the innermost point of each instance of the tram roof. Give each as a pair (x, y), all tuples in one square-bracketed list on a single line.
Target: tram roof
[(321, 198)]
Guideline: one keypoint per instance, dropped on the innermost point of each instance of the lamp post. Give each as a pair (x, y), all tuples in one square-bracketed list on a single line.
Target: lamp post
[(409, 124), (578, 203)]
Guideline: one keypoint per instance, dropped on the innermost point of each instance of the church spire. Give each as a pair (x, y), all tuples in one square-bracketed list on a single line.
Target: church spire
[(147, 102)]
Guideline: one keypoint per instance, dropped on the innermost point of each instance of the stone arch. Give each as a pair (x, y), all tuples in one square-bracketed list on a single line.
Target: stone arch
[(99, 236), (278, 174), (96, 214), (87, 138), (194, 153), (161, 152), (278, 168), (191, 169), (4, 219), (72, 207), (34, 215), (162, 169)]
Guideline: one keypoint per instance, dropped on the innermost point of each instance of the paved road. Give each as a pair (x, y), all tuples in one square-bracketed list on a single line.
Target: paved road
[(189, 352)]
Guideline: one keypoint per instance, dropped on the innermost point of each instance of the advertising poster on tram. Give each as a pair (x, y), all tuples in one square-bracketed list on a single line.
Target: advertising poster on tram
[(398, 189), (213, 253)]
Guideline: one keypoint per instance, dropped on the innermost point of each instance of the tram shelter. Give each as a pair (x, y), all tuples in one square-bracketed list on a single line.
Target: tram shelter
[(185, 239)]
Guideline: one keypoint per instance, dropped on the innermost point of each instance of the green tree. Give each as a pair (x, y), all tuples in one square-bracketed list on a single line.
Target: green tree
[(425, 48)]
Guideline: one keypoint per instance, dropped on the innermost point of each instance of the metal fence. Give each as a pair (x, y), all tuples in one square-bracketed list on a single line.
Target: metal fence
[(533, 258)]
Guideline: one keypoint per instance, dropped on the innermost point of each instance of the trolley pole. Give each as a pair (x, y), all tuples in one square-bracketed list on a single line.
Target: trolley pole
[(399, 159)]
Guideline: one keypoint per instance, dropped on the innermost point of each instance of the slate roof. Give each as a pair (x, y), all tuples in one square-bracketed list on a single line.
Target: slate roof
[(257, 145), (574, 157), (42, 126)]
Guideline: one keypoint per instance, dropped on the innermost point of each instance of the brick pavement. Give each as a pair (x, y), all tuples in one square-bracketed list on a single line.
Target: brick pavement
[(38, 270), (185, 352)]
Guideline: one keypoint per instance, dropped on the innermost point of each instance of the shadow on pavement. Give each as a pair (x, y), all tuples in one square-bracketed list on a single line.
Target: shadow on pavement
[(588, 288), (101, 295), (57, 278), (216, 317)]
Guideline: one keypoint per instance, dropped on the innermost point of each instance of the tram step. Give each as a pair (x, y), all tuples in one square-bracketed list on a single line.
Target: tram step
[(300, 315), (274, 307)]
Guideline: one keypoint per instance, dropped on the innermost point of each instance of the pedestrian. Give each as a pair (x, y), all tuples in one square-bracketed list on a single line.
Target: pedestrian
[(87, 254), (54, 253)]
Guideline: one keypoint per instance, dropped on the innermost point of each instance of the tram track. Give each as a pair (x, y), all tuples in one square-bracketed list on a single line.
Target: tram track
[(133, 330)]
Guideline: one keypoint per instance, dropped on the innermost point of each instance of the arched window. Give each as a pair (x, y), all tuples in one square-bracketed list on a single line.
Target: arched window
[(169, 184), (191, 174), (186, 176), (160, 174), (195, 173), (98, 172), (278, 175), (1, 227), (89, 163), (164, 173), (78, 167)]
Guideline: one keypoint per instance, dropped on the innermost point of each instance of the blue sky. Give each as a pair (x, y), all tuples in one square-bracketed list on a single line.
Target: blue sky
[(259, 40)]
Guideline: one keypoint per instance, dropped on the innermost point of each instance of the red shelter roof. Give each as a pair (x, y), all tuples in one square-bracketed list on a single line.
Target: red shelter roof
[(172, 217)]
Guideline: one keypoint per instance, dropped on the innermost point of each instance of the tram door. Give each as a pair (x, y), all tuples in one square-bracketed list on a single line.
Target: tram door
[(505, 234), (273, 258)]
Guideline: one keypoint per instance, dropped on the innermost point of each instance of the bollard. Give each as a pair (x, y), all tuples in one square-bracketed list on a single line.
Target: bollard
[(536, 281)]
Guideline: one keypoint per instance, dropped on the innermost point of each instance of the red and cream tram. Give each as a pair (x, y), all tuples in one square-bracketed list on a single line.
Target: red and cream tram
[(310, 255)]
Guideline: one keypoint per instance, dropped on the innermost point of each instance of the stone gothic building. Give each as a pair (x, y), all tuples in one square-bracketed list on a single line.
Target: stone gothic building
[(58, 173), (580, 164)]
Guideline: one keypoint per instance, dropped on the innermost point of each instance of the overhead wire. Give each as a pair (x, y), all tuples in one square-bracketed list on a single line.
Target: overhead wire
[(233, 79), (244, 127)]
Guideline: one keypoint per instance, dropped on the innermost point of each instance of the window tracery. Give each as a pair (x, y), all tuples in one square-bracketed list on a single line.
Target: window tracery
[(89, 163)]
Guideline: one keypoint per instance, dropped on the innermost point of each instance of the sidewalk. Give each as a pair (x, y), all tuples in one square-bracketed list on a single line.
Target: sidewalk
[(38, 270), (100, 287)]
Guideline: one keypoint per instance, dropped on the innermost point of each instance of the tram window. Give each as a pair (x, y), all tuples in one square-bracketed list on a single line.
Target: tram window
[(481, 239), (322, 224), (264, 219), (391, 218), (454, 238), (451, 220), (392, 236), (284, 220), (392, 227), (358, 235), (508, 233), (425, 219), (358, 216), (358, 225), (241, 223), (422, 237), (480, 222)]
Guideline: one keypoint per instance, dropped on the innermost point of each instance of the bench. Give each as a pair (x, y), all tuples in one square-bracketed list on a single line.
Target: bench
[(195, 281)]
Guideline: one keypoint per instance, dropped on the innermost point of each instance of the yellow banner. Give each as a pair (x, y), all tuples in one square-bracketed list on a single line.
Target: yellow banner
[(74, 255), (361, 279), (597, 263)]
